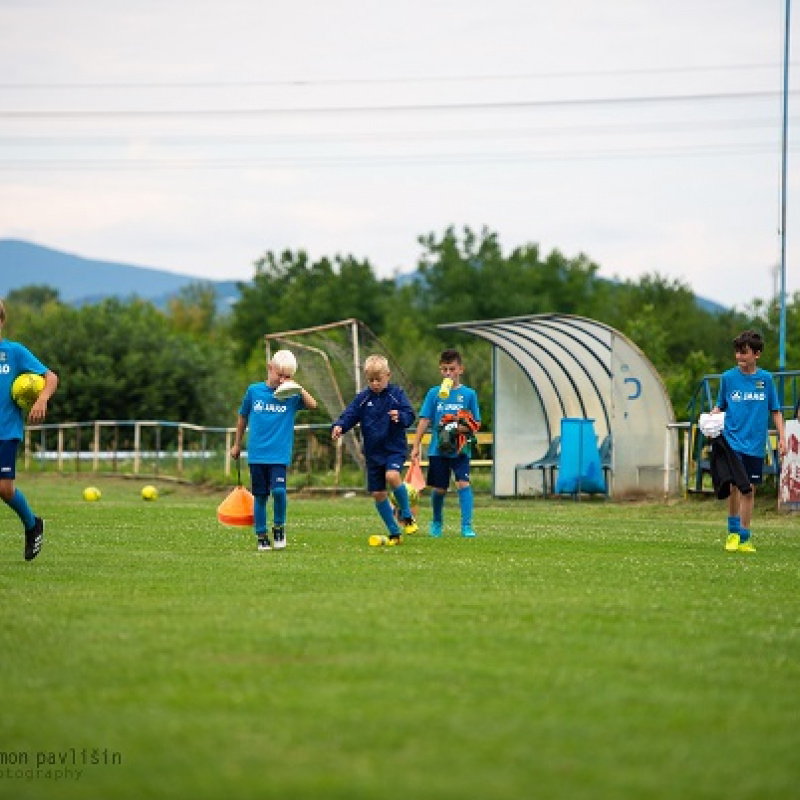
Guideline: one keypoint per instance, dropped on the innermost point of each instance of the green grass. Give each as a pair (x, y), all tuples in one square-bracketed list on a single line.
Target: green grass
[(572, 650)]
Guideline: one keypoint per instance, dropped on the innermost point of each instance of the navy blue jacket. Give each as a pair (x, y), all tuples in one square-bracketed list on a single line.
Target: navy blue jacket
[(382, 437)]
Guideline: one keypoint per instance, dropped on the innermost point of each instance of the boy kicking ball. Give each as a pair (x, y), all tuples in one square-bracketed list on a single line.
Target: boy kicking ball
[(384, 413)]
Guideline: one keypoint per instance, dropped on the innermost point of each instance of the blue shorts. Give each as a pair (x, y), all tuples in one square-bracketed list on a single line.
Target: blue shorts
[(8, 459), (754, 467), (440, 467), (265, 478), (376, 471)]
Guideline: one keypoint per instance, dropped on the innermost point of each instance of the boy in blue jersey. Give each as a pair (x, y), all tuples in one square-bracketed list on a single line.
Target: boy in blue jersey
[(748, 397), (384, 413), (449, 401), (15, 359), (270, 443)]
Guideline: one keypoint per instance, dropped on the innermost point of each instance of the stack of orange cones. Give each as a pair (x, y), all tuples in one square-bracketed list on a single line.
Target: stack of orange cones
[(237, 508)]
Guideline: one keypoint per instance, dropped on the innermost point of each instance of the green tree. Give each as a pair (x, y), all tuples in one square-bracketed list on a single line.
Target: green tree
[(469, 278), (194, 309), (36, 296), (289, 292), (120, 360)]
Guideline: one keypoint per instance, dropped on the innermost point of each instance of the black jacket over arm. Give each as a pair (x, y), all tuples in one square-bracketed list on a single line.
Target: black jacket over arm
[(727, 469)]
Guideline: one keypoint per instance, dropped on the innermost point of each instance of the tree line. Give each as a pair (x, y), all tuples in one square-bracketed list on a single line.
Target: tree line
[(127, 359)]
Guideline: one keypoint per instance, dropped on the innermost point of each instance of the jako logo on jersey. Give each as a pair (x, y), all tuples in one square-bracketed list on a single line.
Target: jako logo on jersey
[(259, 406), (739, 396), (5, 369)]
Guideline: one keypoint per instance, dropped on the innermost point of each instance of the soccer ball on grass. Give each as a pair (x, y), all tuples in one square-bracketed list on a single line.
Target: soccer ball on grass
[(149, 493)]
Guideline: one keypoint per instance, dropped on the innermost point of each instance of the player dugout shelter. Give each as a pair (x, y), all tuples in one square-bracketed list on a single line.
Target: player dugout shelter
[(549, 367)]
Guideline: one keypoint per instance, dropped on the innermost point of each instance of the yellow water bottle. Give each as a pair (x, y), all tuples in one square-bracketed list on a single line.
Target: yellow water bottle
[(444, 389)]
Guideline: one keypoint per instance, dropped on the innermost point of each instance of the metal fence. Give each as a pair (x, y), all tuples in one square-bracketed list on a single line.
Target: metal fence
[(191, 453), (172, 450)]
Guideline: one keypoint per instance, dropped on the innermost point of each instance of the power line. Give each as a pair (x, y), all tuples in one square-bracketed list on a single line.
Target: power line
[(508, 105), (431, 159), (394, 135), (323, 82)]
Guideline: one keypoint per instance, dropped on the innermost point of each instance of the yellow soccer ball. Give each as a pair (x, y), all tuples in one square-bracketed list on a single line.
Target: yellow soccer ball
[(413, 496), (26, 389), (149, 493), (91, 494)]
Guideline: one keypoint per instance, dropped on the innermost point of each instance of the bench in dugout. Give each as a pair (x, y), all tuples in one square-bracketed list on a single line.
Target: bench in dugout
[(547, 465)]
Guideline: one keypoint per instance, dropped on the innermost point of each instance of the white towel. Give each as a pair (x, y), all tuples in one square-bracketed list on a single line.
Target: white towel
[(712, 425)]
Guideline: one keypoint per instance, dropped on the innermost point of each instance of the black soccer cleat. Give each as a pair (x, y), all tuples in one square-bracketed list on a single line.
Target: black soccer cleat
[(279, 535), (34, 539)]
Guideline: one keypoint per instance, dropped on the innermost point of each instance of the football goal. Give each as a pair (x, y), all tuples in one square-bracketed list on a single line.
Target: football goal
[(330, 365)]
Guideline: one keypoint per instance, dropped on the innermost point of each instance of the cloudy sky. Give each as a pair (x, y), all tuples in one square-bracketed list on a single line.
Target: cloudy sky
[(195, 136)]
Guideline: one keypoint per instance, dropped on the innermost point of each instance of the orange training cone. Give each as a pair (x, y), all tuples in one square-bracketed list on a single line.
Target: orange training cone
[(237, 508), (415, 477)]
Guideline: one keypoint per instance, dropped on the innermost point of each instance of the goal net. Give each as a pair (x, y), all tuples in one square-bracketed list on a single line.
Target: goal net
[(330, 365)]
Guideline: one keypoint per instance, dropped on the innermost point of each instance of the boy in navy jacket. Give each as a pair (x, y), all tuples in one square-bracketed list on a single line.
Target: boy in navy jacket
[(384, 413)]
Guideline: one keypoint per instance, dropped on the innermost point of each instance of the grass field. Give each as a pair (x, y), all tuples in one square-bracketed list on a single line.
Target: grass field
[(572, 650)]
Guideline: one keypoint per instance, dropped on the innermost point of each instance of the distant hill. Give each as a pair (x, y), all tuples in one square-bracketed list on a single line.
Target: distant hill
[(82, 280)]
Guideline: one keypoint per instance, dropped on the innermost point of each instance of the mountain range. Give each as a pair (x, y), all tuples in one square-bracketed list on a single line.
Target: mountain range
[(82, 281)]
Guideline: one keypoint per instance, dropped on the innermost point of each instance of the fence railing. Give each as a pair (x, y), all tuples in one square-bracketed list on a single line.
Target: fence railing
[(182, 451), (165, 449)]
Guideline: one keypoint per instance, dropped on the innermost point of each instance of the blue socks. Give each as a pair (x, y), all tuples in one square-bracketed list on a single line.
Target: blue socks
[(437, 506), (735, 526), (278, 507), (744, 535), (279, 503), (20, 506), (401, 495), (465, 502), (260, 514), (386, 512)]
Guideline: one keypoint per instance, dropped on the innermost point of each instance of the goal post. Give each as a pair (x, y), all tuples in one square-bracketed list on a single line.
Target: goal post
[(330, 366)]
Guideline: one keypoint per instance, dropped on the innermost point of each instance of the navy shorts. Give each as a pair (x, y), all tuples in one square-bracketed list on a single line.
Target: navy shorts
[(440, 467), (376, 471), (265, 478), (754, 467), (8, 459)]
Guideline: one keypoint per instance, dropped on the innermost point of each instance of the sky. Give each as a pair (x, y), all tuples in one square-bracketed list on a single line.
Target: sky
[(195, 137)]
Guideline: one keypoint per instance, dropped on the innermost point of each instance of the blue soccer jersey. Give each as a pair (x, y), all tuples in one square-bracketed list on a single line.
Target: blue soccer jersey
[(747, 401), (15, 359), (434, 408), (271, 424)]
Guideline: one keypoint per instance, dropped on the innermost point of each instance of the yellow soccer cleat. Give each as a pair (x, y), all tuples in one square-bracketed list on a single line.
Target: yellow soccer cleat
[(747, 547), (732, 542), (410, 526)]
